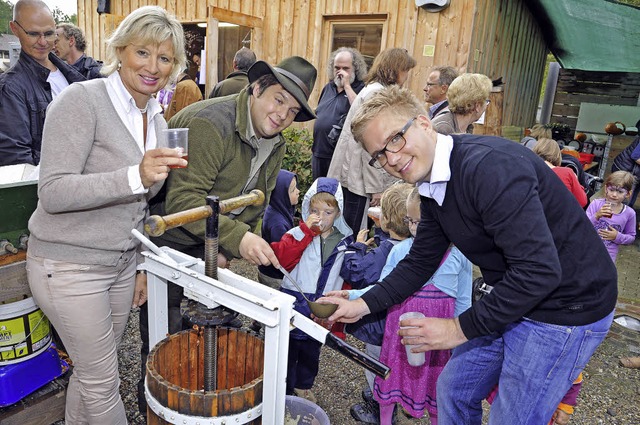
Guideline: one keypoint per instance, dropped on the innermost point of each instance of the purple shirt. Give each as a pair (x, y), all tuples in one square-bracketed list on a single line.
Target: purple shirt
[(624, 223)]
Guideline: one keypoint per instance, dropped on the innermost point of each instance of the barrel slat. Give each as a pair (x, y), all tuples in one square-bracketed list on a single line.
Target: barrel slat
[(194, 352), (223, 358), (235, 357), (211, 403), (224, 401)]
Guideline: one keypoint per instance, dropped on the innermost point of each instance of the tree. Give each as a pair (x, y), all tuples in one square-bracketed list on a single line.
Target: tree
[(6, 15), (59, 16)]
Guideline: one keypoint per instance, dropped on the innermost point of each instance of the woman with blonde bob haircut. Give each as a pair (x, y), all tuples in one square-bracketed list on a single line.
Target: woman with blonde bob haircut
[(468, 97), (147, 25), (96, 179)]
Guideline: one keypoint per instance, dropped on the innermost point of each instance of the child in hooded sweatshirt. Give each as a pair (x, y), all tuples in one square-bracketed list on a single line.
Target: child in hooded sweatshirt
[(278, 220), (313, 253)]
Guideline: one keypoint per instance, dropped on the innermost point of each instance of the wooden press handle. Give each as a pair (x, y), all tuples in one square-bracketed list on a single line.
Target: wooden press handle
[(255, 197), (156, 225)]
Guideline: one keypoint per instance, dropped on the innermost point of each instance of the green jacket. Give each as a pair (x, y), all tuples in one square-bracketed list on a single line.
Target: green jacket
[(219, 164), (233, 84)]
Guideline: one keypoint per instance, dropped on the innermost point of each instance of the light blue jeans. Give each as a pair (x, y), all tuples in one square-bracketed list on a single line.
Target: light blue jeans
[(534, 363)]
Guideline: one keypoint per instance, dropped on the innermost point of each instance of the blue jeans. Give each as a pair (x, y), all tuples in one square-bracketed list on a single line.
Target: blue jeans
[(534, 362)]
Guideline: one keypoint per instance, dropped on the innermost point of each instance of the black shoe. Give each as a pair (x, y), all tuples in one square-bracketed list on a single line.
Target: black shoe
[(367, 395), (367, 413)]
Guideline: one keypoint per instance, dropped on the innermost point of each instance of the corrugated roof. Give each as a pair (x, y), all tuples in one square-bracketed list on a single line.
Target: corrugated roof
[(5, 39), (591, 35)]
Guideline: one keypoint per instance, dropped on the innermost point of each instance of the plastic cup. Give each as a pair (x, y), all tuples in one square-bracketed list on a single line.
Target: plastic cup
[(414, 359), (178, 139), (374, 213), (608, 215)]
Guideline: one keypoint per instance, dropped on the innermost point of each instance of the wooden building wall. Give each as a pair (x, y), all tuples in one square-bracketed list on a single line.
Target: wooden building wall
[(575, 87), (508, 43), (502, 31)]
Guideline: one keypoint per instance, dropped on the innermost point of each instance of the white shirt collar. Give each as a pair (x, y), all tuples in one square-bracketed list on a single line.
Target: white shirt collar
[(130, 114), (436, 187), (122, 96), (433, 108)]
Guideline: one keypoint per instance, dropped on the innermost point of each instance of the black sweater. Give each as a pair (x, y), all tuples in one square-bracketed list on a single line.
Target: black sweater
[(511, 216)]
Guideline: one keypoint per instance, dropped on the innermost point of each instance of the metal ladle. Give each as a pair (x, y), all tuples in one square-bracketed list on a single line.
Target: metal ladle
[(321, 311)]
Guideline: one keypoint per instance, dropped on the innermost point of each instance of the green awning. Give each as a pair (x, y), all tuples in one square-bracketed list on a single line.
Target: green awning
[(591, 35)]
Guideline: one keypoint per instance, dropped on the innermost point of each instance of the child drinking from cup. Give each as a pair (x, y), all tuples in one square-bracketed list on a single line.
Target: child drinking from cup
[(614, 221), (313, 253)]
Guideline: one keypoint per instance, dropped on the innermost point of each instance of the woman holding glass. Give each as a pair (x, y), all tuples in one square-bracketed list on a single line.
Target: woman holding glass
[(101, 162)]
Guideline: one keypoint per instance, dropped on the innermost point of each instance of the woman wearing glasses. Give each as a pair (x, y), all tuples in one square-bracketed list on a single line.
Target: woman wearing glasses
[(28, 87), (468, 97), (363, 185), (95, 183)]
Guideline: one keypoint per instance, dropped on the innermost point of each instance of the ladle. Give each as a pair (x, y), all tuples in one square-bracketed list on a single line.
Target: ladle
[(321, 311)]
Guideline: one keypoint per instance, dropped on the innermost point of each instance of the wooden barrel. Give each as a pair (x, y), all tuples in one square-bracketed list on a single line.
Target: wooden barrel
[(175, 376)]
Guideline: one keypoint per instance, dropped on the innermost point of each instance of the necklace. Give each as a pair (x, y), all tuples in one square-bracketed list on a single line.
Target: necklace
[(144, 110)]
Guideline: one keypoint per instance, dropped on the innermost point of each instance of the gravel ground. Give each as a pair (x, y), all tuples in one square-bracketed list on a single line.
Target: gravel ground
[(610, 395)]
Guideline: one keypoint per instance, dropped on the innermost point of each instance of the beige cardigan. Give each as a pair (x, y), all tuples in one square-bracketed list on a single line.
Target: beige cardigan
[(86, 209)]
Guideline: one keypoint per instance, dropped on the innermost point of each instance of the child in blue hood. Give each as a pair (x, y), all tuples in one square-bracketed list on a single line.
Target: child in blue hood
[(313, 252), (277, 220)]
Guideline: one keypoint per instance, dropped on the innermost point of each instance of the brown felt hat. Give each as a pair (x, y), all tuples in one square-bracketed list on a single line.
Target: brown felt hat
[(296, 75)]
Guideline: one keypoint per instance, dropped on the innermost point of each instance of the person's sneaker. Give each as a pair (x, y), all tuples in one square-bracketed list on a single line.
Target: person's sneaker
[(366, 412), (307, 394), (367, 395)]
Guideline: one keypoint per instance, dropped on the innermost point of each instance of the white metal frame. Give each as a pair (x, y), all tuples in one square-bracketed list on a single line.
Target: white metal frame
[(268, 306)]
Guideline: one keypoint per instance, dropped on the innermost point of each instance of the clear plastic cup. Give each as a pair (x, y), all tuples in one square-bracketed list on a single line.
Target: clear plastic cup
[(610, 204), (414, 359), (178, 138), (374, 214)]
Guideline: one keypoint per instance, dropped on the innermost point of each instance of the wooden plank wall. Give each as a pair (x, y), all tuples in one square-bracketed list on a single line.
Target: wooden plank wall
[(575, 87), (502, 31), (298, 27), (508, 43)]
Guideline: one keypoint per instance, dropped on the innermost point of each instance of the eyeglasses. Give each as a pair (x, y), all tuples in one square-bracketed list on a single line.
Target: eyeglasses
[(621, 190), (35, 35), (433, 84), (488, 101), (394, 145), (409, 221)]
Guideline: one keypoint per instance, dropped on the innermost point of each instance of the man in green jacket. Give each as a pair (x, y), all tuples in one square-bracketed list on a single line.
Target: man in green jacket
[(235, 146)]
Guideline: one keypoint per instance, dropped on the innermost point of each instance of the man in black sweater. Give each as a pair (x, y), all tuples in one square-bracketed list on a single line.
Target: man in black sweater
[(555, 287)]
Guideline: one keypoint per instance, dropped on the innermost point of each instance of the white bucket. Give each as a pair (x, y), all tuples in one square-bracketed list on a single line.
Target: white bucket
[(24, 331)]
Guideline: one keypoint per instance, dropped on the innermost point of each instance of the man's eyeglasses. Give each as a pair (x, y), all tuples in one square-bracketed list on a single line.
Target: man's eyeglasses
[(35, 35), (394, 145), (621, 190), (433, 84), (409, 221)]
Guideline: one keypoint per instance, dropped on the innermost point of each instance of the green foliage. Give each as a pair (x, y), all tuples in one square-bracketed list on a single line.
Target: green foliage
[(298, 156), (6, 15), (59, 16)]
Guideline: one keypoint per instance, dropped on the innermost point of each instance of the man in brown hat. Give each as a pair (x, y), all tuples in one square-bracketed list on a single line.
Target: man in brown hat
[(235, 146)]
